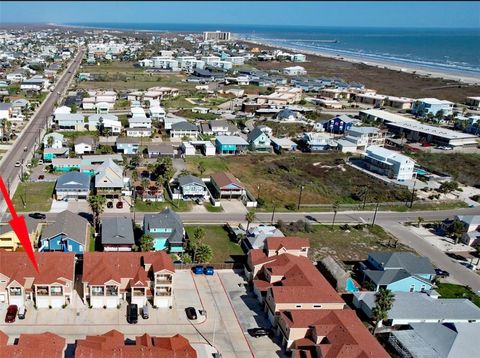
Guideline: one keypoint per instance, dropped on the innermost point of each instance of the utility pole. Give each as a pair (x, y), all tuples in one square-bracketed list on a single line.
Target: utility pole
[(413, 191), (375, 214), (300, 196), (273, 213)]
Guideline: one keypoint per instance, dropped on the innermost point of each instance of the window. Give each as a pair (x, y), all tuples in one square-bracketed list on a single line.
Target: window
[(42, 290), (56, 291), (298, 306), (112, 290), (412, 288), (15, 291), (317, 306), (97, 290)]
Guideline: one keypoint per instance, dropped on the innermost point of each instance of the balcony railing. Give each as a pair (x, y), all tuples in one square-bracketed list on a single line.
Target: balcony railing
[(163, 280)]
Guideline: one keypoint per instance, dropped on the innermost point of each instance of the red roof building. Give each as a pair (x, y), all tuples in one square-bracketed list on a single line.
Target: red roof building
[(112, 345), (327, 333), (44, 345), (109, 276)]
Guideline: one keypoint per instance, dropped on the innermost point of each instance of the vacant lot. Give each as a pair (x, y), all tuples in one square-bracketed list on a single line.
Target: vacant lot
[(449, 290), (35, 197), (463, 167), (277, 178), (347, 243), (217, 237)]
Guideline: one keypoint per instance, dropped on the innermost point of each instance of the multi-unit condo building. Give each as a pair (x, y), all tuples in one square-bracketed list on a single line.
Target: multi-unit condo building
[(112, 278)]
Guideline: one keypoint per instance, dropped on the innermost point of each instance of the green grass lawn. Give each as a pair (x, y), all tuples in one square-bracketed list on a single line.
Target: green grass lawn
[(177, 102), (146, 206), (352, 244), (37, 196), (450, 290), (217, 237), (212, 164)]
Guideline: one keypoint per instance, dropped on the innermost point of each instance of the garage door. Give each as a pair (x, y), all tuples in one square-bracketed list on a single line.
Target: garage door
[(2, 298)]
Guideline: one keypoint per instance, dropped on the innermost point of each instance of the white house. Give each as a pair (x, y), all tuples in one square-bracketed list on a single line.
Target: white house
[(57, 142), (140, 122), (294, 71), (109, 122), (387, 162)]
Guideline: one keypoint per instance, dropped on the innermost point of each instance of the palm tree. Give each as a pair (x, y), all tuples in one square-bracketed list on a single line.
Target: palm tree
[(96, 202), (50, 141), (420, 220), (384, 299), (250, 217), (201, 168)]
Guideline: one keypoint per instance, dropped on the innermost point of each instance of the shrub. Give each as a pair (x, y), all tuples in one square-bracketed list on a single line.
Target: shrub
[(291, 206)]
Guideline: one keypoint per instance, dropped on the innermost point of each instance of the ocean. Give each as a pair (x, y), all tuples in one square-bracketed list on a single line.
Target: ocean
[(446, 50)]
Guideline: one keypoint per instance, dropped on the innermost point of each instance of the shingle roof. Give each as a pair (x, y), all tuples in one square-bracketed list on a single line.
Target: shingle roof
[(225, 178), (254, 134), (73, 180), (38, 345), (70, 224), (190, 179), (184, 126), (117, 231), (165, 219), (410, 262)]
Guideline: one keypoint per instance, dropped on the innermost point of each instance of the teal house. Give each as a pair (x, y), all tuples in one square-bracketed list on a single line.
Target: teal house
[(229, 144), (66, 164), (259, 141), (397, 271), (51, 153), (167, 231)]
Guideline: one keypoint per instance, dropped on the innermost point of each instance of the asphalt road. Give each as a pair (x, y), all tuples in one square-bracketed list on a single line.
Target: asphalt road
[(30, 134)]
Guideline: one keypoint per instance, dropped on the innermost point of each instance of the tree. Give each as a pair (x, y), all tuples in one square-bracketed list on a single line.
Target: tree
[(74, 108), (100, 126), (456, 230), (250, 218), (204, 253), (146, 243), (420, 220), (145, 183), (335, 207), (50, 141), (384, 299), (96, 202), (195, 241), (134, 175), (448, 187), (201, 168)]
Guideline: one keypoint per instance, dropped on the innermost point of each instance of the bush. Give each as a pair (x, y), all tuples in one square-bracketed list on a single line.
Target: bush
[(260, 202), (291, 206)]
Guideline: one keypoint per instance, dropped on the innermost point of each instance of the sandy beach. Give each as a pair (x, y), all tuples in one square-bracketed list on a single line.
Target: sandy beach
[(422, 71)]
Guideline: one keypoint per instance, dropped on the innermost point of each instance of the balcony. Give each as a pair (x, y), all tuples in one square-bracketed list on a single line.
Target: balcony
[(163, 293), (163, 280)]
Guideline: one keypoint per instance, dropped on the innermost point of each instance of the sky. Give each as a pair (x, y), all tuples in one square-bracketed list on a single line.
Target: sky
[(342, 14)]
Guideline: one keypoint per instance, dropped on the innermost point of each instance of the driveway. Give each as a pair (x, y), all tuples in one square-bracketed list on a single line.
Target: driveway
[(179, 165), (250, 314), (233, 206)]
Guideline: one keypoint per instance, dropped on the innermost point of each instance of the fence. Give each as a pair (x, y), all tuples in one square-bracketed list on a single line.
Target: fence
[(217, 266)]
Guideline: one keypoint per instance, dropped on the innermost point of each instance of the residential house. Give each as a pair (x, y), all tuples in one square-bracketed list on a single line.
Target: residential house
[(340, 124), (294, 71), (127, 145), (471, 223), (283, 145), (155, 150), (56, 141), (288, 115), (69, 233), (117, 234), (72, 185), (316, 142), (417, 307), (38, 345), (389, 163), (170, 120), (226, 185), (327, 333), (398, 102), (230, 144), (70, 121), (66, 164), (51, 153), (184, 129), (397, 271), (51, 285), (192, 187), (112, 278), (9, 240), (473, 103), (167, 230), (5, 111), (425, 106), (157, 112), (113, 343), (259, 141), (84, 145), (364, 137), (139, 121), (257, 234), (138, 132), (216, 128), (289, 282), (104, 123), (443, 340), (109, 180)]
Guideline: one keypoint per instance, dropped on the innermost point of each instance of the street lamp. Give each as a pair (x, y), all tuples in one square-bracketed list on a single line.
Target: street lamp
[(258, 192), (300, 196)]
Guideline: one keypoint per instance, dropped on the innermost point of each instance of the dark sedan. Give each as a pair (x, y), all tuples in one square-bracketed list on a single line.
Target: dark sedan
[(11, 314), (39, 216)]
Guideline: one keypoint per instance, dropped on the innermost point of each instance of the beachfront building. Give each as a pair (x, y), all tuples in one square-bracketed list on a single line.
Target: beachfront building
[(424, 106), (473, 103), (389, 163), (217, 36), (294, 71)]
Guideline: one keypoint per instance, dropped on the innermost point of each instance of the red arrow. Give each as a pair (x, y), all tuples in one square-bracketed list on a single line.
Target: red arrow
[(19, 225)]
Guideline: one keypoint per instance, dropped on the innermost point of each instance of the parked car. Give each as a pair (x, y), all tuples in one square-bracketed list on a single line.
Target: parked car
[(260, 332), (132, 313), (38, 216), (11, 314), (145, 312), (441, 273), (21, 312), (191, 313), (198, 270), (40, 162), (110, 205), (209, 270), (468, 265), (119, 205), (17, 164)]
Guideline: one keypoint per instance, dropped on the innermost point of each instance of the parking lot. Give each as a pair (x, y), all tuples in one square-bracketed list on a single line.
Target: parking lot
[(218, 327)]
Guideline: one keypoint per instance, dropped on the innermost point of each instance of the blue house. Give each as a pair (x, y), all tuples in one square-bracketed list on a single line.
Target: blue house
[(424, 106), (229, 144), (398, 272), (69, 233), (259, 141), (339, 124), (167, 230), (127, 145), (50, 153)]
